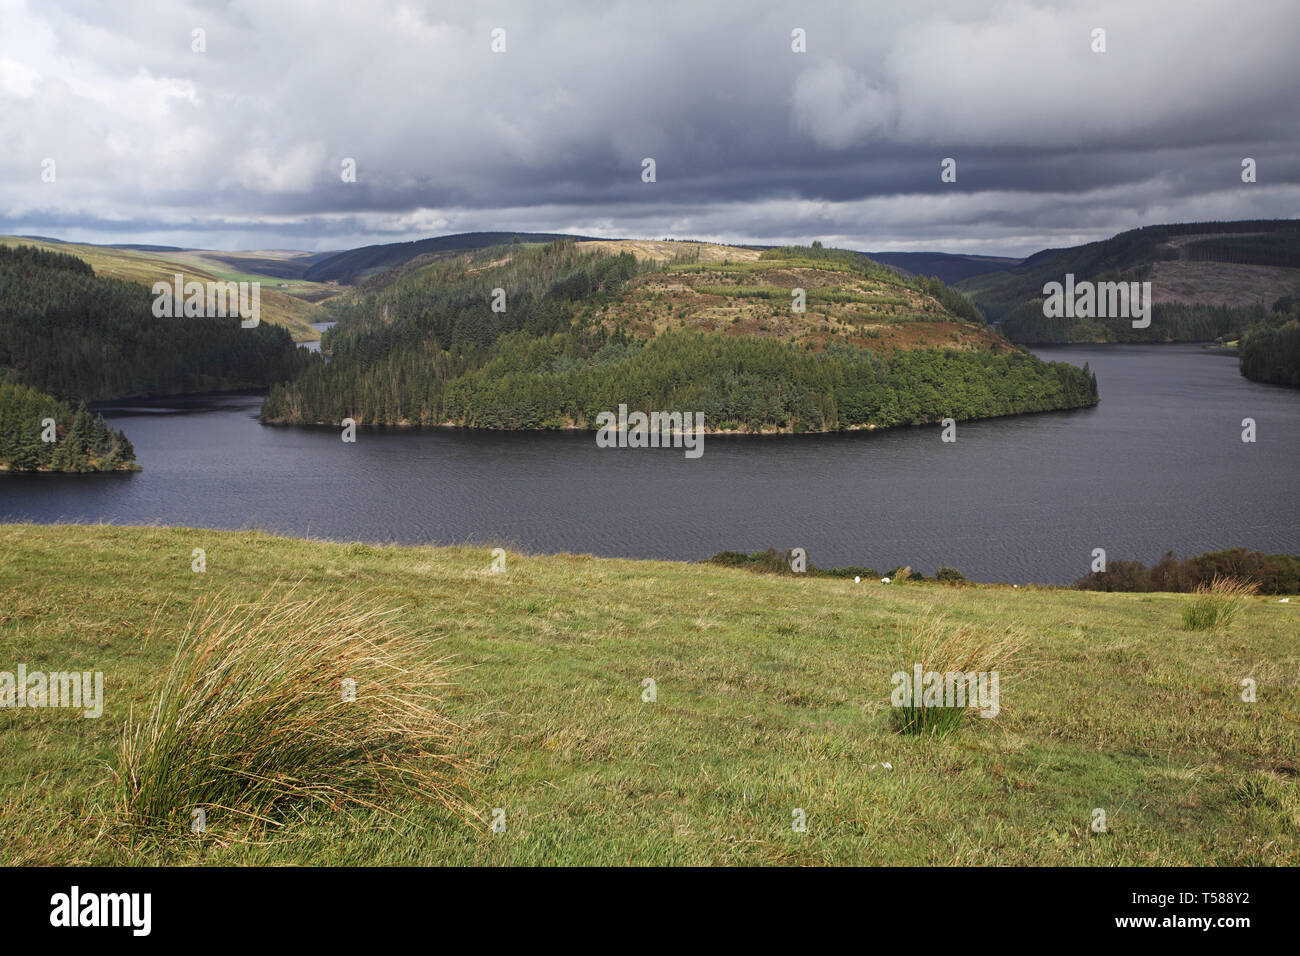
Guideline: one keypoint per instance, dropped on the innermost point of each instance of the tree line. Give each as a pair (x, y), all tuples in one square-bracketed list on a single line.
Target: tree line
[(1274, 573)]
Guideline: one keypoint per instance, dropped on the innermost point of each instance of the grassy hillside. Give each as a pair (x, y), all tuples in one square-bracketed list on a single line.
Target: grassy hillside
[(1208, 280), (522, 336), (742, 292), (772, 694), (285, 301)]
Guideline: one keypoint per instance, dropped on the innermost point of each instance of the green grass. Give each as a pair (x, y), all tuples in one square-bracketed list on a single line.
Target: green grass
[(772, 694)]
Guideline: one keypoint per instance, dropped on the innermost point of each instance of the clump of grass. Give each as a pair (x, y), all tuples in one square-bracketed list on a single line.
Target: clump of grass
[(252, 717), (939, 645), (1213, 606)]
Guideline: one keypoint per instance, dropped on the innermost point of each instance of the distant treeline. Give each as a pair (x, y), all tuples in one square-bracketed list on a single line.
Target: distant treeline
[(1170, 322), (1274, 573), (78, 337), (82, 442), (1274, 249), (1270, 349)]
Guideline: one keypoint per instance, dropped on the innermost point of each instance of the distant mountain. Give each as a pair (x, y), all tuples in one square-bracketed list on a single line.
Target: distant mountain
[(347, 267), (138, 247), (1208, 279), (949, 267)]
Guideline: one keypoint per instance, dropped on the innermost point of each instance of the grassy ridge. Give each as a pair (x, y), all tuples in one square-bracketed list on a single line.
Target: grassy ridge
[(772, 695)]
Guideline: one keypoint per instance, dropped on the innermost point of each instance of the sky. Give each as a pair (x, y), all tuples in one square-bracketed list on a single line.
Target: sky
[(243, 144)]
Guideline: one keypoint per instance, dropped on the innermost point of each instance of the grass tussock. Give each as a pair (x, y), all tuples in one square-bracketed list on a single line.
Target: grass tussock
[(1213, 606), (253, 716), (951, 649)]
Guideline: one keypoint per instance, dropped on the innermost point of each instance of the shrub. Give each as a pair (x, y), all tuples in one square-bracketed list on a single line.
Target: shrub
[(949, 575), (867, 574), (252, 716)]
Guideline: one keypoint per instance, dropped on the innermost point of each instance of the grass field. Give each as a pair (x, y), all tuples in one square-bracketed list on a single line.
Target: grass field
[(772, 695)]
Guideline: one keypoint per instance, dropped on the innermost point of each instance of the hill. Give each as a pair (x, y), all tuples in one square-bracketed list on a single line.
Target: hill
[(772, 693), (949, 267), (286, 300), (355, 264), (1208, 279), (524, 336)]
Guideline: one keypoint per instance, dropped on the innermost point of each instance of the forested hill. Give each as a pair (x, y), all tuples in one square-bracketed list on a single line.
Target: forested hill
[(1208, 280), (950, 267), (354, 264), (524, 336), (77, 337)]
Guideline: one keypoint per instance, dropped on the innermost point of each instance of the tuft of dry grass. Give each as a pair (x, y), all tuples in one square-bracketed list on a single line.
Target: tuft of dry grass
[(941, 646), (1213, 606), (286, 701)]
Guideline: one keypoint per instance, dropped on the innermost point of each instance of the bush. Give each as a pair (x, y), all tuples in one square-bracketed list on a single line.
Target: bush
[(948, 575), (770, 561), (867, 574)]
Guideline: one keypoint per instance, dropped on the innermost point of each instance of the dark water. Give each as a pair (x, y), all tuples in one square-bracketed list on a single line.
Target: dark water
[(1158, 465), (314, 344)]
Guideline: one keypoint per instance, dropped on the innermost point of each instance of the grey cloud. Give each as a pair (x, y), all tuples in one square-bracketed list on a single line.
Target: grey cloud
[(241, 146)]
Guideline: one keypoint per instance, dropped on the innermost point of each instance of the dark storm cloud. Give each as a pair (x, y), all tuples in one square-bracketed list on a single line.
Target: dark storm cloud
[(241, 146)]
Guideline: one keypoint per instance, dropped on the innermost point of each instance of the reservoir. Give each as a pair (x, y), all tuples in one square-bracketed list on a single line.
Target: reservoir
[(1159, 465)]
